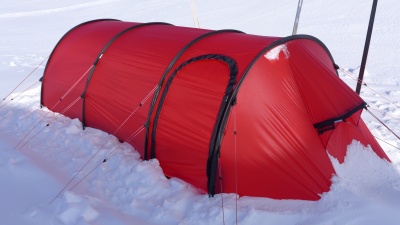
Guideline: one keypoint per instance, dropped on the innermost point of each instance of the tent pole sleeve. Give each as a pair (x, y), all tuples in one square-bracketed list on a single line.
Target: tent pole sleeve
[(366, 47)]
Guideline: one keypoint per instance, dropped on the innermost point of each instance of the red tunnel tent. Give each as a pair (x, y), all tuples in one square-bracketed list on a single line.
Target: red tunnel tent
[(223, 110)]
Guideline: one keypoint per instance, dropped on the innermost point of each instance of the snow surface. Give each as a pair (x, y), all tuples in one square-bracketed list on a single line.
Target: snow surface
[(127, 190)]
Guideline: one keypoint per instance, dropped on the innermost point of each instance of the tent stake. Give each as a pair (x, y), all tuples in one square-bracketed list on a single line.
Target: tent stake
[(296, 20), (366, 47)]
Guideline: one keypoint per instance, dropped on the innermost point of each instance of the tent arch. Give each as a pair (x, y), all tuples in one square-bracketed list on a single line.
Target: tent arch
[(229, 89), (281, 42), (188, 87), (101, 54), (59, 41), (73, 55), (167, 71)]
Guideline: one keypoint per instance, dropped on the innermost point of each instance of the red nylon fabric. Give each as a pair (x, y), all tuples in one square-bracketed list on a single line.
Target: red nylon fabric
[(345, 133), (72, 57), (278, 149), (128, 71), (317, 81), (187, 121), (225, 43), (278, 152)]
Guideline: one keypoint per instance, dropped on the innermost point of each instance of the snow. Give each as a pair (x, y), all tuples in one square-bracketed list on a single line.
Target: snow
[(273, 54), (35, 172)]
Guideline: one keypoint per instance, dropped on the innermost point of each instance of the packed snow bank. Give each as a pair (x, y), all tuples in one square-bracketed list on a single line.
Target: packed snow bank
[(124, 189)]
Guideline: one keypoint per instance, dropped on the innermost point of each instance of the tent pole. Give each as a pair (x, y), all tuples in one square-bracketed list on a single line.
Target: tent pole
[(296, 20), (194, 14), (366, 47)]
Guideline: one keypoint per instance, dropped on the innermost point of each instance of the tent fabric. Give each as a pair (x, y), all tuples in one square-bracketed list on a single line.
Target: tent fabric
[(223, 110)]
